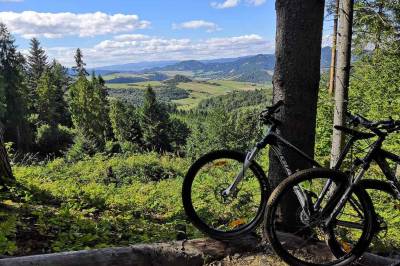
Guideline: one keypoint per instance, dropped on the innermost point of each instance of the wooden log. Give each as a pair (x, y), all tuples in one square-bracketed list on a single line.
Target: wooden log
[(191, 253), (179, 253)]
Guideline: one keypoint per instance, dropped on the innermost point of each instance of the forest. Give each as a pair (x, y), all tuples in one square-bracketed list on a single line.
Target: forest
[(98, 167)]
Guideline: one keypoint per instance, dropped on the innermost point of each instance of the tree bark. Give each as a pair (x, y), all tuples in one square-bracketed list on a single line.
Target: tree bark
[(6, 175), (343, 75), (333, 51), (296, 82)]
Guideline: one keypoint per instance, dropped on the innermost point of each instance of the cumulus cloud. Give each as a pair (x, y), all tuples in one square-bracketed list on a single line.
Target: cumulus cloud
[(135, 48), (197, 24), (226, 4), (30, 24), (256, 2)]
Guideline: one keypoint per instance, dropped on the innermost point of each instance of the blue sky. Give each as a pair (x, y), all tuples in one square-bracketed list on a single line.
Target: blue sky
[(123, 31)]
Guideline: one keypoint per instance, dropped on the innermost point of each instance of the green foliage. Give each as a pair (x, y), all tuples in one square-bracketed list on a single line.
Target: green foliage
[(11, 65), (36, 66), (237, 99), (377, 23), (374, 93), (236, 130), (8, 229), (79, 67), (47, 99), (89, 112), (52, 139), (155, 123), (71, 206), (135, 96), (61, 80), (125, 122)]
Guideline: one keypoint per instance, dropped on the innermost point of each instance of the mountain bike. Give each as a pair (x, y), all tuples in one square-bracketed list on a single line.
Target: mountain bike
[(338, 217), (224, 192)]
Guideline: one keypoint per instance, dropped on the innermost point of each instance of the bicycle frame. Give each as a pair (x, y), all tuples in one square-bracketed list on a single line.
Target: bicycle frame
[(377, 154), (275, 142)]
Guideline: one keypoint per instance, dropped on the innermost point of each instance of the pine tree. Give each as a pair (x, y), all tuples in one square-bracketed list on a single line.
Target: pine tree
[(101, 95), (154, 123), (79, 67), (89, 112), (47, 100), (125, 122), (61, 81), (16, 127), (36, 65)]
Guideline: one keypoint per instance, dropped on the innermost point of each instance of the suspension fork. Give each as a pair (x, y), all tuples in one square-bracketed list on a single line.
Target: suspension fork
[(247, 162)]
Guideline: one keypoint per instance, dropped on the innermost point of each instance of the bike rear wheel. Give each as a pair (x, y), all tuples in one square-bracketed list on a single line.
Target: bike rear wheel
[(212, 213), (386, 241), (306, 240)]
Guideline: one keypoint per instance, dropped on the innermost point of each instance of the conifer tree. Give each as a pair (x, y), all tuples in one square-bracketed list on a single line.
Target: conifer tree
[(16, 127), (125, 122), (47, 99), (89, 112), (61, 80), (79, 67), (101, 95), (36, 65), (154, 123)]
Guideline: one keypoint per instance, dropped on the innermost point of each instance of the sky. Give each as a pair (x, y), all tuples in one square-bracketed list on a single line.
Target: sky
[(128, 31)]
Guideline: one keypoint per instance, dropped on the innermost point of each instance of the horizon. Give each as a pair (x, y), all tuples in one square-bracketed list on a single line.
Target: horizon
[(119, 33)]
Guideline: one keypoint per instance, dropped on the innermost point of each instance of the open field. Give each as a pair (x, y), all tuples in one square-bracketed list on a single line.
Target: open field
[(198, 90)]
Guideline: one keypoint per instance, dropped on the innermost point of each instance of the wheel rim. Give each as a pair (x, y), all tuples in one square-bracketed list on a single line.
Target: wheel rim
[(226, 214), (312, 243)]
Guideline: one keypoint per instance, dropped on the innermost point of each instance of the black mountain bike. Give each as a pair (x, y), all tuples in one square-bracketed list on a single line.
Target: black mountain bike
[(224, 192), (338, 218)]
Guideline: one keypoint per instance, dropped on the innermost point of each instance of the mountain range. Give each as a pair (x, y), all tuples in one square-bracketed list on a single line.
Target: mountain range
[(257, 68)]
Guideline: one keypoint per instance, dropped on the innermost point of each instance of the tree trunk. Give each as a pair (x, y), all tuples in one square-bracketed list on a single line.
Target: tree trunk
[(342, 76), (6, 176), (296, 82), (333, 51)]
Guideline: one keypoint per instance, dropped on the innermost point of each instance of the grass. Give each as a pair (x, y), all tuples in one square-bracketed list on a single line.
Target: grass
[(64, 206)]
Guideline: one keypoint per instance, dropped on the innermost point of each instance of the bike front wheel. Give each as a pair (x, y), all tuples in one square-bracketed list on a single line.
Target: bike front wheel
[(224, 217), (305, 238)]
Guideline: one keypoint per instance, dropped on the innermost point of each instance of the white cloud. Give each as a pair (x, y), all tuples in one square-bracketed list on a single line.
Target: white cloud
[(197, 24), (256, 2), (30, 24), (226, 4), (135, 48), (11, 1)]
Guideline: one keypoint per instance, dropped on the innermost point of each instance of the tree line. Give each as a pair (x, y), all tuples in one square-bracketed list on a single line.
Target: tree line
[(45, 110)]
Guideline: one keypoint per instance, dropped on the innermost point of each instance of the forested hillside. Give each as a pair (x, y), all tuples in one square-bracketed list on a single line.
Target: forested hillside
[(99, 161)]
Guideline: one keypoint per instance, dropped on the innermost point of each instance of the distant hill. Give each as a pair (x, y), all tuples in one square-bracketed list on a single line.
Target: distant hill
[(255, 69), (131, 67)]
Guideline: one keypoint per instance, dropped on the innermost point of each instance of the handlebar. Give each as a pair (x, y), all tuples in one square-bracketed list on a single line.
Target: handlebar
[(389, 125), (266, 116)]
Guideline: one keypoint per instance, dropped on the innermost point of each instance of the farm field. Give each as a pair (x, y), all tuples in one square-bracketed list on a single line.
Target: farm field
[(198, 90)]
